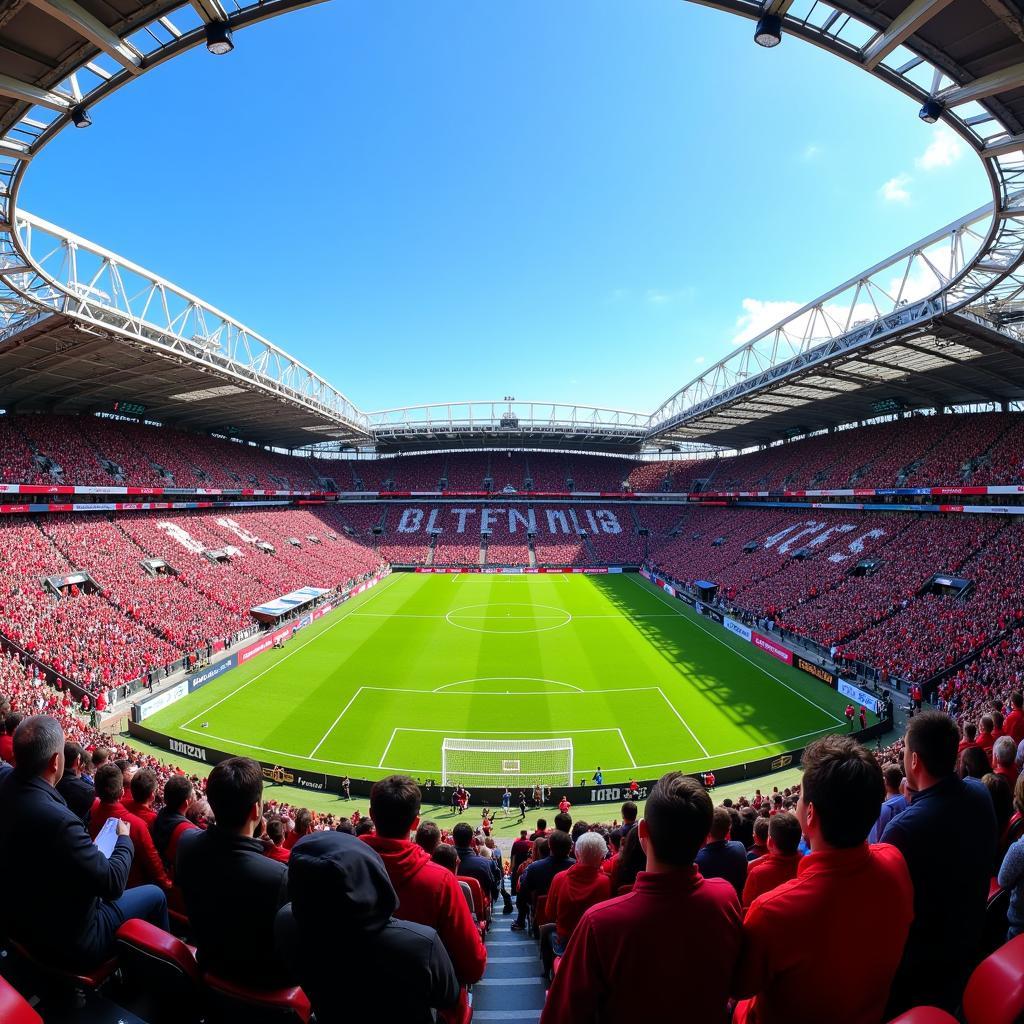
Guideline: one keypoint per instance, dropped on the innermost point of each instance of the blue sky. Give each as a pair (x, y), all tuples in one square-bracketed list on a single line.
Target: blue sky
[(579, 200)]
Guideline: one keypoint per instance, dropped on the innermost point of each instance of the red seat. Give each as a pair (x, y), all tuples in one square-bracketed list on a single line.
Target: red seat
[(924, 1015), (13, 1008), (995, 993), (480, 902), (240, 1002), (89, 980), (161, 968)]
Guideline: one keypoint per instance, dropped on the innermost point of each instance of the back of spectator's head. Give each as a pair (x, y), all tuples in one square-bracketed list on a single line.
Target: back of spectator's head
[(276, 830), (784, 832), (38, 746), (560, 843), (615, 839), (1004, 751), (178, 790), (1017, 699), (676, 820), (303, 821), (542, 824), (987, 724), (1018, 794), (395, 806), (446, 856), (970, 732), (721, 823), (842, 790), (540, 848), (200, 813), (109, 783), (932, 741), (462, 834), (12, 721), (628, 812), (75, 757), (974, 763), (1002, 799), (578, 828), (590, 849), (563, 821), (100, 756), (143, 785), (761, 829), (893, 776), (235, 792), (428, 835), (997, 720), (365, 827), (345, 825)]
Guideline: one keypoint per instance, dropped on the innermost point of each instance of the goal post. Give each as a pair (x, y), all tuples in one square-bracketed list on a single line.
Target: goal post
[(513, 763)]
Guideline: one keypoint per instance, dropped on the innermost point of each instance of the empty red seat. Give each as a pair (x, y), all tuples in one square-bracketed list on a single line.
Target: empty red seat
[(481, 903), (160, 967), (233, 1001), (66, 977), (13, 1008), (995, 993)]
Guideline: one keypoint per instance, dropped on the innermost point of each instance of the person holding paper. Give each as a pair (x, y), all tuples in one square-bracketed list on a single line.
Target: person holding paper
[(65, 899)]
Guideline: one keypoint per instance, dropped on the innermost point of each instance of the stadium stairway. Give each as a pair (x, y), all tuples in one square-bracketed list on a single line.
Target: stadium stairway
[(512, 988)]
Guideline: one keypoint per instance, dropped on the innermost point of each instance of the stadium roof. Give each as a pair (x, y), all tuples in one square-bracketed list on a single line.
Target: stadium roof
[(870, 342)]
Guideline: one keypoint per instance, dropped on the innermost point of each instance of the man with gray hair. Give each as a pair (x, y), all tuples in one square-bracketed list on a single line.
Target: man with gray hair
[(65, 898), (1004, 754), (576, 890)]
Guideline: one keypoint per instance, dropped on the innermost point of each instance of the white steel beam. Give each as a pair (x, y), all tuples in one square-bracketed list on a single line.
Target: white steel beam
[(90, 27), (904, 25), (16, 150), (1011, 144), (1011, 77), (33, 94), (210, 10)]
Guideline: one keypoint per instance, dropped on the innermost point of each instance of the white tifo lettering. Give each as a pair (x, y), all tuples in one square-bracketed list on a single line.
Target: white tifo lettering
[(185, 539), (411, 520), (567, 521)]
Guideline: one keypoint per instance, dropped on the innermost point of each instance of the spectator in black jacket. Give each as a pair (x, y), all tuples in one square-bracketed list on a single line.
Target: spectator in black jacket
[(536, 879), (340, 924), (232, 891), (78, 793), (62, 897), (471, 864)]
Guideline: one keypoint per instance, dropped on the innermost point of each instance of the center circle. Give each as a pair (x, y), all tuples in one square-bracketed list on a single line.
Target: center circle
[(506, 617)]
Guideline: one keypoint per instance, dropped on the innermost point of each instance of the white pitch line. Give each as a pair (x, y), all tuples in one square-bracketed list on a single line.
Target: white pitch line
[(337, 720), (506, 732), (625, 746), (657, 593), (379, 589), (686, 726), (380, 763)]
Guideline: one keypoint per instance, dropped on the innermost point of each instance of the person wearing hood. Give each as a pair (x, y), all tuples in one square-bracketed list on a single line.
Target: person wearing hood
[(427, 893), (341, 915), (574, 891)]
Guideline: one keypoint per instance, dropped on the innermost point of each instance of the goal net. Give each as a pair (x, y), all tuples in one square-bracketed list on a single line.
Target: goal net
[(512, 763)]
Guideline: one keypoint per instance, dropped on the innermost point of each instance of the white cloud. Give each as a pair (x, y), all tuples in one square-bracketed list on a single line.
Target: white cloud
[(943, 151), (758, 315), (811, 151), (699, 361), (657, 297), (895, 189)]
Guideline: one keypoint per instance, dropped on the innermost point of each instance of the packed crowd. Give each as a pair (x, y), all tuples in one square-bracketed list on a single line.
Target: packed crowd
[(979, 448), (741, 908)]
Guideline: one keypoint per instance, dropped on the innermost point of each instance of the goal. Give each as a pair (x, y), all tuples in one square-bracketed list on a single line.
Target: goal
[(512, 763)]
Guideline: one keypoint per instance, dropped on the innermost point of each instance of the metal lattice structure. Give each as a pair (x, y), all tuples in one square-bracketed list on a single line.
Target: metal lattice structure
[(949, 305)]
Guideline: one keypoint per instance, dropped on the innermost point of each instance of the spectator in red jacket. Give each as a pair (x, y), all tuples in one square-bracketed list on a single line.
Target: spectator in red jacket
[(147, 868), (574, 891), (667, 948), (7, 738), (796, 934), (143, 789), (783, 858), (276, 850), (1014, 724), (427, 893), (985, 738)]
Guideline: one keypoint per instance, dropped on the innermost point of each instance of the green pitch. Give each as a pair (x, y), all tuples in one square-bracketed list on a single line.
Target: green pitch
[(637, 680)]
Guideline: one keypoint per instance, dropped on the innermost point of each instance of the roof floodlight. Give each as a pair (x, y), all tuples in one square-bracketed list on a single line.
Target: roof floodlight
[(80, 116), (769, 30), (931, 111), (218, 37)]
